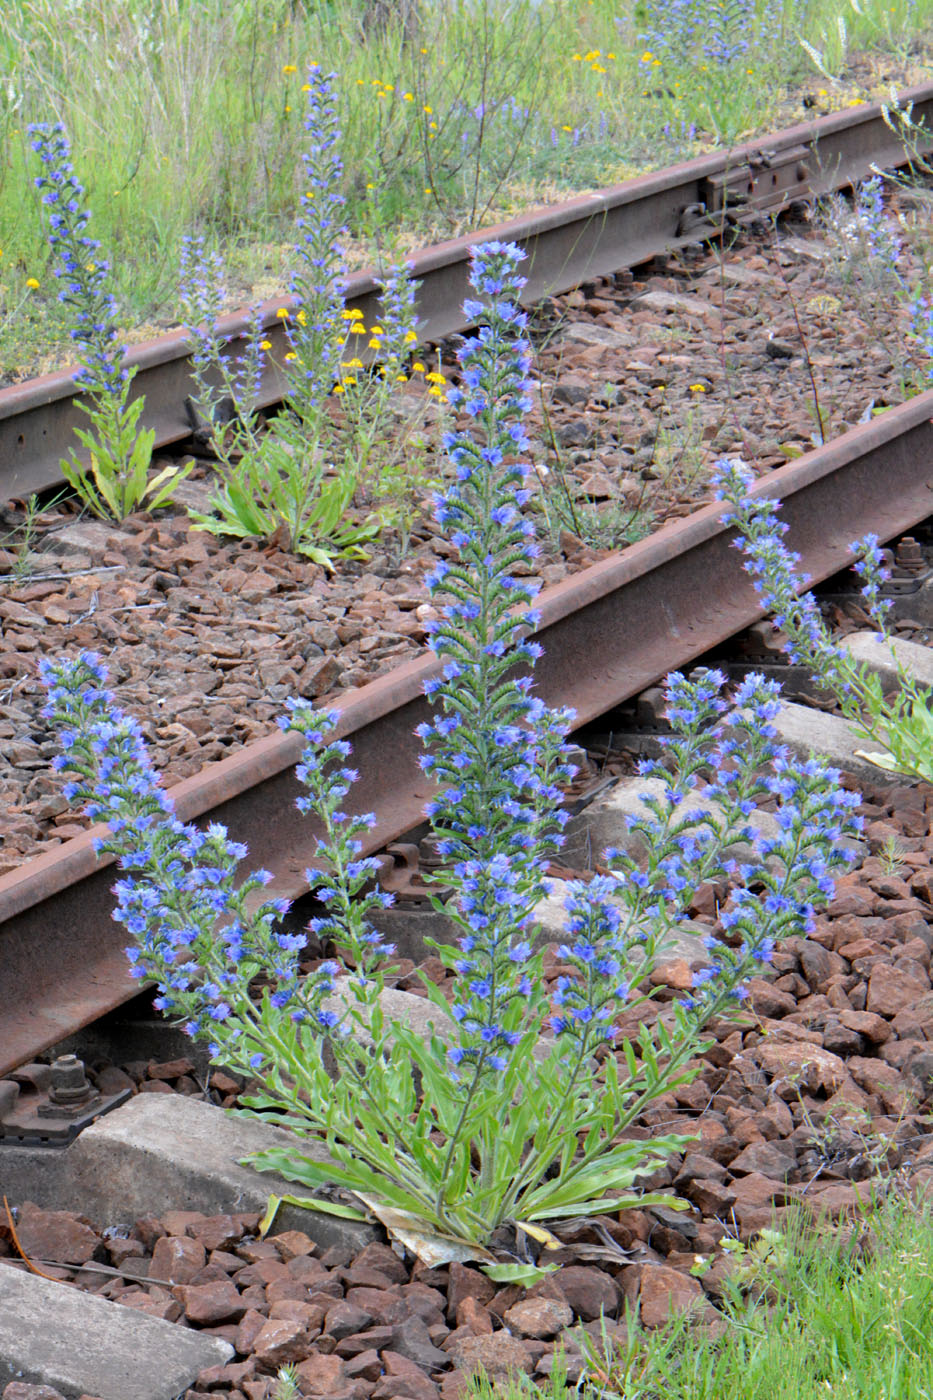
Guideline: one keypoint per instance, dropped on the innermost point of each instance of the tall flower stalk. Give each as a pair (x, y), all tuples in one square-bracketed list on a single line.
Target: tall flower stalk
[(516, 1107), (317, 329), (903, 725), (115, 481)]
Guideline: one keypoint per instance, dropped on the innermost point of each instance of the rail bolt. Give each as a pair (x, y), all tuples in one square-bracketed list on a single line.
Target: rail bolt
[(69, 1082)]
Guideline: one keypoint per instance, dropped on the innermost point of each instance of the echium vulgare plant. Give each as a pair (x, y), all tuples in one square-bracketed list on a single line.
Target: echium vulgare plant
[(904, 724), (317, 331), (227, 385), (116, 480), (515, 1109)]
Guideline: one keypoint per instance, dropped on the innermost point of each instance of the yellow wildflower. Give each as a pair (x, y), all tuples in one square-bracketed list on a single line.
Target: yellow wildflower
[(291, 355), (411, 338), (417, 367), (698, 388), (282, 313), (265, 345), (435, 378), (289, 68), (32, 283)]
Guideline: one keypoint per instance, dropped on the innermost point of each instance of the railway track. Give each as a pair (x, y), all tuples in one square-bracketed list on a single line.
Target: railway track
[(591, 236), (608, 633)]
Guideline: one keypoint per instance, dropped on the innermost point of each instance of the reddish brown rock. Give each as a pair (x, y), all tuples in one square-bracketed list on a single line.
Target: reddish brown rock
[(499, 1356), (286, 1287), (403, 1378), (57, 1236), (664, 1293), (465, 1282), (373, 1338), (758, 1190), (867, 1024), (697, 1165), (771, 1159), (795, 1065), (710, 1197), (216, 1232), (381, 1256), (384, 1305), (411, 1338), (835, 1199), (169, 1069), (365, 1367), (263, 1271), (292, 1243), (177, 1259), (539, 1317), (281, 1341), (210, 1303), (343, 1319), (767, 1000), (226, 1377), (311, 1315), (589, 1291), (473, 1315), (321, 1376), (312, 1272), (176, 1222), (250, 1325), (894, 989)]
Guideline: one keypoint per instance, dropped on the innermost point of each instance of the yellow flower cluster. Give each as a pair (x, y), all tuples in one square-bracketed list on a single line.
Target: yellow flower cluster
[(596, 59)]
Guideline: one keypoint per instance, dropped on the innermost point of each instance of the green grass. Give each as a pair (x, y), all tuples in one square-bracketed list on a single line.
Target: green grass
[(186, 115), (849, 1317)]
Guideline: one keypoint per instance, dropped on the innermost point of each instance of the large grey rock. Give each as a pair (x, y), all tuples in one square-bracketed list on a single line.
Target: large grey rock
[(883, 657), (160, 1152), (685, 941), (415, 1012), (59, 1336), (605, 821), (807, 732)]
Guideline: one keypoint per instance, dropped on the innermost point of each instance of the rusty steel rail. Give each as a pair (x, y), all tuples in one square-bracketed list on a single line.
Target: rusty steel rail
[(608, 633), (591, 236)]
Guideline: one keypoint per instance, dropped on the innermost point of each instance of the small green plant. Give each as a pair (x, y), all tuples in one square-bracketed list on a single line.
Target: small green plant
[(278, 480), (904, 725), (22, 536), (286, 1385), (891, 854), (281, 488), (117, 479), (756, 1262)]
